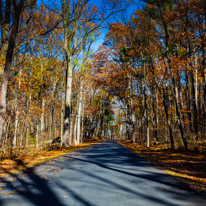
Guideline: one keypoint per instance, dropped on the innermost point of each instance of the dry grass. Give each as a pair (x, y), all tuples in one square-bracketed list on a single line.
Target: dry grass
[(32, 159), (188, 166)]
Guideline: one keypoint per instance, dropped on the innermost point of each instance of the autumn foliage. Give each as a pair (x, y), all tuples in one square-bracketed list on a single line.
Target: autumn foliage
[(154, 68), (146, 82)]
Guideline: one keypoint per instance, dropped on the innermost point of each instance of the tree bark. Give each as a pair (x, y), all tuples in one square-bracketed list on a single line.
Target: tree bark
[(9, 56), (79, 112)]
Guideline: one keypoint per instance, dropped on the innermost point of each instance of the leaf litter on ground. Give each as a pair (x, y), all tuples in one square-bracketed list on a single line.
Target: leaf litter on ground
[(188, 166)]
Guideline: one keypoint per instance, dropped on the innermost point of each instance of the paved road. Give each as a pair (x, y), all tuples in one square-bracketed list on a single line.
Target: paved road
[(103, 175)]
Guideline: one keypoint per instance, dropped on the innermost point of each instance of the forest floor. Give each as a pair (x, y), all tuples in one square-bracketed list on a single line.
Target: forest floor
[(38, 157), (188, 166)]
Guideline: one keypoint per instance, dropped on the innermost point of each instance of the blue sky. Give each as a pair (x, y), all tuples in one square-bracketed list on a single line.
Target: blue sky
[(125, 16), (117, 18)]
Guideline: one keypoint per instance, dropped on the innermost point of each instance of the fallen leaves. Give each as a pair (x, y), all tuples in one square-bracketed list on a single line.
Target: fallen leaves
[(9, 193), (9, 166), (189, 166)]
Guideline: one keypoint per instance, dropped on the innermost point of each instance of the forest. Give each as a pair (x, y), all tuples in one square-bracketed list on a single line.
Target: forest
[(146, 82)]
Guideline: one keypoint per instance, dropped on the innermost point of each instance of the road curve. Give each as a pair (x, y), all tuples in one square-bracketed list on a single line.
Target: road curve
[(106, 174)]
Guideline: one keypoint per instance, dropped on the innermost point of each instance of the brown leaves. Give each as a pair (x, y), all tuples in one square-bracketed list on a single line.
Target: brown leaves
[(31, 159), (188, 166), (9, 193)]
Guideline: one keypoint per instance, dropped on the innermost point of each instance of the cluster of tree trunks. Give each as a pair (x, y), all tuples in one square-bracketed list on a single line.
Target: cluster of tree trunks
[(45, 54)]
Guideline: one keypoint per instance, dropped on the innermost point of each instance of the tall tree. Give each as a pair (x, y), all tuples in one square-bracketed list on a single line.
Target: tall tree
[(11, 17)]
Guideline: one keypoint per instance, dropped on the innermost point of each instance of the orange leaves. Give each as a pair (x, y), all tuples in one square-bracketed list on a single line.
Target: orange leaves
[(131, 52), (9, 193), (118, 30), (187, 122), (2, 62), (35, 111), (177, 163), (117, 35)]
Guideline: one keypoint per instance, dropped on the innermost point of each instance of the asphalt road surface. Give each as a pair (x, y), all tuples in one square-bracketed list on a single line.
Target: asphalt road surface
[(105, 174)]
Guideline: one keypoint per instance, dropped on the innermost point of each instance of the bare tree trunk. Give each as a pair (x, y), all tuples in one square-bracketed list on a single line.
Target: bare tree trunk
[(75, 132), (196, 81), (42, 117), (168, 120), (16, 113), (17, 9), (79, 112), (37, 135), (178, 113), (157, 116), (62, 121), (146, 118), (27, 136), (148, 137), (71, 131), (69, 72), (51, 126), (22, 132), (16, 127), (55, 129), (68, 103), (82, 125)]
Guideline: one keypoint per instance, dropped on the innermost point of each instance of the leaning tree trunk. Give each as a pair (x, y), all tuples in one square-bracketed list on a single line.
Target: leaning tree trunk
[(9, 55)]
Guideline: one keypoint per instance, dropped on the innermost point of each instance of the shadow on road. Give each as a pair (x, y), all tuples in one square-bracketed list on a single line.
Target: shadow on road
[(33, 188), (100, 167)]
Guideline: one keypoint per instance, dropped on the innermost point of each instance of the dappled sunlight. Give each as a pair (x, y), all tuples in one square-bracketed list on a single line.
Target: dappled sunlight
[(106, 171), (187, 165)]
